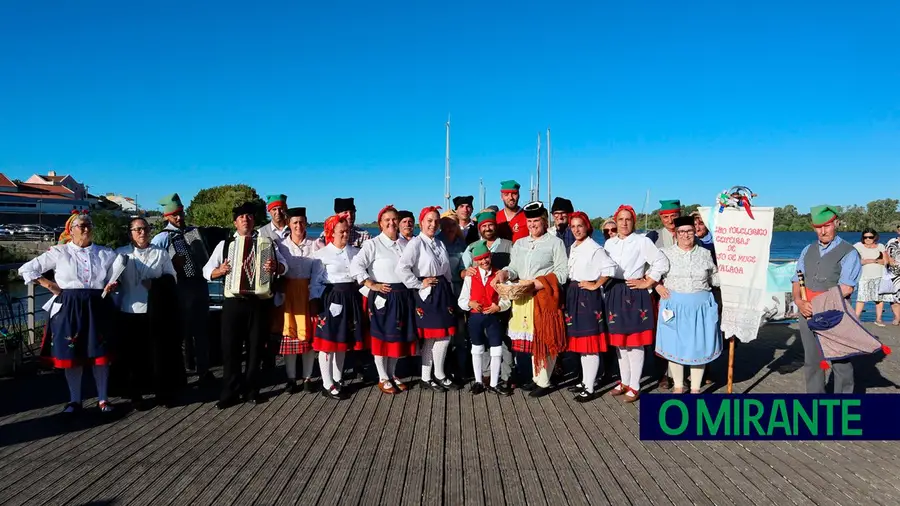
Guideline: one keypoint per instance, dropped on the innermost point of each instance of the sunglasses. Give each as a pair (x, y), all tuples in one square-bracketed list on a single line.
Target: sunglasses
[(868, 237), (609, 229), (139, 229), (83, 226)]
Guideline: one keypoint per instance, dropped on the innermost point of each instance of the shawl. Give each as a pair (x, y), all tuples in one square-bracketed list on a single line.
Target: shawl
[(848, 337), (549, 327)]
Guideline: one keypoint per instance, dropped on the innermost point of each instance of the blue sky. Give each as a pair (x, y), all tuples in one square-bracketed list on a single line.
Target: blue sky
[(797, 100)]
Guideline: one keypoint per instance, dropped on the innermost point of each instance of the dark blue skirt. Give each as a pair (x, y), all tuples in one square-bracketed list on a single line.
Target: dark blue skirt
[(81, 330), (630, 315), (436, 315), (585, 316), (393, 327), (343, 332)]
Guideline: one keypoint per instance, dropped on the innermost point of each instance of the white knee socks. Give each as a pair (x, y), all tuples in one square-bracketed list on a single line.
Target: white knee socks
[(440, 353), (590, 364), (427, 359), (337, 372), (477, 359), (325, 365), (631, 365), (308, 360), (101, 378), (696, 377), (73, 379), (381, 365), (496, 359), (677, 372), (290, 366)]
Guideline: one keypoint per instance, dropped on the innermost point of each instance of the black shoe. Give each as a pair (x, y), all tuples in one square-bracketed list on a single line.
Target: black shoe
[(432, 385), (477, 388), (584, 396), (528, 387), (576, 388), (72, 409), (253, 398), (309, 386), (291, 387), (227, 403), (206, 380), (539, 392), (333, 393), (501, 389), (448, 384)]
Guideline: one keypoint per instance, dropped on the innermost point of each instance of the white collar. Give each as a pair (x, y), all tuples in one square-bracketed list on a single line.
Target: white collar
[(387, 240)]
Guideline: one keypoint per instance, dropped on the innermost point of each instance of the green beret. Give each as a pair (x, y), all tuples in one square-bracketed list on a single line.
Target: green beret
[(823, 215), (669, 206), (509, 186), (275, 200), (171, 204)]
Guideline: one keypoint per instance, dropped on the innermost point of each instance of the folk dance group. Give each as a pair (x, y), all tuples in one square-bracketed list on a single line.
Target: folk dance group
[(505, 290)]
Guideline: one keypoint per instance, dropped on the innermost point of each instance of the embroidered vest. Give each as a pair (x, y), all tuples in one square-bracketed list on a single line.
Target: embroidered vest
[(483, 293)]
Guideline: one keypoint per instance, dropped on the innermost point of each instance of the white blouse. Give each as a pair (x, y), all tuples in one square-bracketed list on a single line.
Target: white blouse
[(149, 263), (588, 261), (335, 268), (377, 260), (690, 271), (632, 255), (423, 257), (74, 267), (299, 258)]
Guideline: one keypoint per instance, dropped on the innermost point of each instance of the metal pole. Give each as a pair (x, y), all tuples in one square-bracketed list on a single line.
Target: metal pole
[(447, 168), (549, 183), (481, 192), (537, 188)]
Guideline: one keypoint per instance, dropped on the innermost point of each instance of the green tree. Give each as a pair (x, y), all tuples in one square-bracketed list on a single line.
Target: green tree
[(882, 214), (110, 229), (211, 207)]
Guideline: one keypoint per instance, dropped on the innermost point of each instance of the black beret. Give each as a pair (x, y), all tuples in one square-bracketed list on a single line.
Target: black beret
[(245, 208), (535, 210), (296, 211), (683, 221), (402, 215), (341, 205), (561, 204), (458, 201)]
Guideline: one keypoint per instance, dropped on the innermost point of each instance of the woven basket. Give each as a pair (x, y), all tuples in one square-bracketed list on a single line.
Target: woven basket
[(514, 291)]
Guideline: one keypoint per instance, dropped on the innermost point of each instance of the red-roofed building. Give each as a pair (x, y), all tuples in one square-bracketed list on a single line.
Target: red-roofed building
[(48, 200), (52, 180)]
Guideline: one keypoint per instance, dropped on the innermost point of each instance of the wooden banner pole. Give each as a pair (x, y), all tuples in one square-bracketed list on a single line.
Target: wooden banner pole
[(730, 364)]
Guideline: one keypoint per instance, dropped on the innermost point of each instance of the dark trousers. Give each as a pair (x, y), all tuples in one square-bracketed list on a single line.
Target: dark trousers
[(813, 374), (193, 301), (524, 371), (245, 322), (134, 354)]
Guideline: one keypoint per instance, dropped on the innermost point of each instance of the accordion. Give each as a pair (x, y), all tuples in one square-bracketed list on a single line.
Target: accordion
[(248, 277)]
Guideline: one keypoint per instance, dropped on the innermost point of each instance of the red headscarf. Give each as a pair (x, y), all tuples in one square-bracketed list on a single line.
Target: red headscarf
[(332, 222), (427, 210), (626, 207), (583, 217), (389, 207)]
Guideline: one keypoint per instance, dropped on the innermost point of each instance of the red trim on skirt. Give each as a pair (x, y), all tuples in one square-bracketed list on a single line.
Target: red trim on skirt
[(436, 333), (522, 346), (587, 345), (644, 338), (365, 344), (327, 346), (392, 350), (68, 364)]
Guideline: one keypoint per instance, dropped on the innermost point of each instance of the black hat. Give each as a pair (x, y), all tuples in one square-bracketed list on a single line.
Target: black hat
[(561, 204), (402, 215), (341, 205), (535, 210), (245, 208), (683, 221), (296, 212), (458, 201)]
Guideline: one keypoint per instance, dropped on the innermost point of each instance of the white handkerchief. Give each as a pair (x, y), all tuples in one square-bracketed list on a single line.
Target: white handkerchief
[(424, 293), (380, 302), (47, 305), (51, 306), (668, 314), (335, 309), (364, 291)]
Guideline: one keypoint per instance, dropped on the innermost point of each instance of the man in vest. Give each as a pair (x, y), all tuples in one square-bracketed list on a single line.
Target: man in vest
[(561, 209), (500, 250), (663, 238), (483, 304), (463, 208), (511, 223), (277, 229), (830, 262), (188, 253)]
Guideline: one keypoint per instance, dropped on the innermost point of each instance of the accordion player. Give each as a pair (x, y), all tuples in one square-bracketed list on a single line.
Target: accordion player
[(248, 276)]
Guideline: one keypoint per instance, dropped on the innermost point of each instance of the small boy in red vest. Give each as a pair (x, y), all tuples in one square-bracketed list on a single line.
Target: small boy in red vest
[(483, 303)]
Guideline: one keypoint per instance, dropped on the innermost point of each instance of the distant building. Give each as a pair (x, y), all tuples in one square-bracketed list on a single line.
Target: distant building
[(127, 204), (48, 200)]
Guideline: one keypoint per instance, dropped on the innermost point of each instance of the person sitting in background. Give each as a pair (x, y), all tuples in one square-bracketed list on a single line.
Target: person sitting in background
[(874, 258)]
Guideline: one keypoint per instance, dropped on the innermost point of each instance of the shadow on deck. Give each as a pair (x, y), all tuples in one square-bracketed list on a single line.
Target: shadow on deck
[(426, 448)]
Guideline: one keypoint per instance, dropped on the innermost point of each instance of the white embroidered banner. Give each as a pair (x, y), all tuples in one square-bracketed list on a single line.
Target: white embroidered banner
[(742, 251)]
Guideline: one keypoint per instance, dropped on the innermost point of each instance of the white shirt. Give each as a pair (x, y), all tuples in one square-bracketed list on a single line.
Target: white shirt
[(377, 260), (403, 240), (423, 257), (151, 262), (74, 267), (335, 268), (217, 258), (466, 293), (298, 258), (269, 230), (588, 261), (633, 254)]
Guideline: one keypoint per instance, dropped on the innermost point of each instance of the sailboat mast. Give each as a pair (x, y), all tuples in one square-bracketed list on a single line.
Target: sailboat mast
[(537, 182), (481, 192), (447, 168), (549, 183)]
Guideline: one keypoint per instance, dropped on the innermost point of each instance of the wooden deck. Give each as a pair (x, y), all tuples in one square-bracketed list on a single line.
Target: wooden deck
[(425, 448)]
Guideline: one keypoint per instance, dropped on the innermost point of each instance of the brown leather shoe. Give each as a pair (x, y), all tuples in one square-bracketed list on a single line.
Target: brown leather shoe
[(629, 399), (387, 387), (399, 385), (619, 389)]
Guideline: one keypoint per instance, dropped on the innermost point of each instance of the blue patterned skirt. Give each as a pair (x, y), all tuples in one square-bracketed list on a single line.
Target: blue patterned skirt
[(630, 315), (436, 316), (344, 331), (585, 317), (81, 330), (691, 336), (393, 327)]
